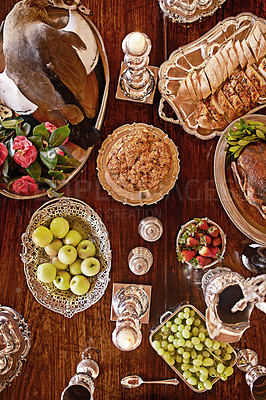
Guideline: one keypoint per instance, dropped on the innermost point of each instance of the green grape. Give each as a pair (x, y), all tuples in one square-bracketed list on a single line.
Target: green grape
[(200, 356), (171, 347), (179, 335), (180, 350), (201, 386), (188, 327), (218, 352), (186, 360), (222, 344), (168, 324), (186, 315), (156, 345), (184, 367), (175, 343), (227, 357), (216, 345), (181, 327), (194, 354), (197, 362), (186, 310), (228, 371), (171, 361), (160, 352), (164, 344), (186, 355), (164, 329), (192, 380), (174, 328), (208, 342), (189, 344), (178, 321), (201, 336), (195, 331), (185, 333), (203, 378), (202, 329), (178, 358), (195, 340), (220, 368), (181, 342), (194, 368), (212, 372), (205, 354), (192, 313), (180, 315), (189, 321), (207, 384), (199, 346), (229, 349), (186, 374), (171, 338), (223, 377), (166, 355), (197, 322), (204, 371), (208, 362)]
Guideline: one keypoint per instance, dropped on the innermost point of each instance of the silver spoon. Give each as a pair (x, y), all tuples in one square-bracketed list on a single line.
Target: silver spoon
[(135, 381)]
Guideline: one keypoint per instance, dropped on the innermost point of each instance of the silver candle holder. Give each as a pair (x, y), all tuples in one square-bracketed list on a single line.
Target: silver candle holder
[(130, 303), (137, 80)]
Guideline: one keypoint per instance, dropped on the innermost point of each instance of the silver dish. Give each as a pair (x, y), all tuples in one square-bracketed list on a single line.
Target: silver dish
[(84, 219), (194, 56), (189, 11), (59, 17), (142, 197), (176, 368), (233, 208)]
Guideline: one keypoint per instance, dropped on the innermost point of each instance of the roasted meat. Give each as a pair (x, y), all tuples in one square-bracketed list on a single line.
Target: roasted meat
[(250, 173)]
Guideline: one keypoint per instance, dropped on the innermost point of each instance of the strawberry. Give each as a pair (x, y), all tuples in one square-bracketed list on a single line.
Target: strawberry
[(216, 241), (215, 251), (186, 255), (202, 224), (213, 231), (205, 240), (205, 252), (203, 261), (198, 235), (192, 241)]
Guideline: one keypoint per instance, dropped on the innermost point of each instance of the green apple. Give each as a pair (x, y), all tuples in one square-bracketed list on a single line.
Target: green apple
[(58, 264), (90, 266), (73, 237), (79, 285), (59, 227), (52, 248), (86, 249), (67, 254), (62, 280), (42, 236), (46, 272), (75, 268)]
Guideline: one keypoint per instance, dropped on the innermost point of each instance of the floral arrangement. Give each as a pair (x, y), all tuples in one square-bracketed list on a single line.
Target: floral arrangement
[(31, 159)]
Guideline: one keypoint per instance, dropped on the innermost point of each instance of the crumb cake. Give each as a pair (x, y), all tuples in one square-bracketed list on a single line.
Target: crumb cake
[(139, 161)]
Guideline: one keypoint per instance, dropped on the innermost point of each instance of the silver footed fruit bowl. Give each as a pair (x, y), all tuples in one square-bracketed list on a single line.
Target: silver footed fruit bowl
[(84, 219)]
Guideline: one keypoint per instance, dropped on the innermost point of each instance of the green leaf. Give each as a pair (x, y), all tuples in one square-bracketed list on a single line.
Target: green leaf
[(233, 149), (9, 146), (51, 183), (65, 168), (66, 160), (260, 134), (37, 141), (58, 136), (5, 168), (34, 170), (40, 130), (57, 174), (53, 193), (237, 153), (10, 124), (49, 157), (26, 128), (19, 132), (255, 123), (243, 142)]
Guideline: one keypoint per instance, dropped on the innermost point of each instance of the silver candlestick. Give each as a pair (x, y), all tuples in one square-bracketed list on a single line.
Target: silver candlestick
[(137, 81)]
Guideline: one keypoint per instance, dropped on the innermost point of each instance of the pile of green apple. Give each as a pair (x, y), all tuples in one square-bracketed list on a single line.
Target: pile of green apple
[(72, 258)]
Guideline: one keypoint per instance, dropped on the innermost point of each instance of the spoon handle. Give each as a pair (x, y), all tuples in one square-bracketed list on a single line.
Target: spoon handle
[(165, 381)]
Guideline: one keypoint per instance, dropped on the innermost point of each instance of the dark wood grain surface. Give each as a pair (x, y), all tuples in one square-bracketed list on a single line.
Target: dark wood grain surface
[(57, 342)]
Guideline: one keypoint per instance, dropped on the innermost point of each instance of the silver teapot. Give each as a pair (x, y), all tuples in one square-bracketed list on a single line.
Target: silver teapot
[(230, 299)]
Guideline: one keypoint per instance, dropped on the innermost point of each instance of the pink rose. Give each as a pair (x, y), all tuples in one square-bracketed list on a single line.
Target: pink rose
[(50, 127), (3, 153), (59, 151), (25, 185), (26, 152)]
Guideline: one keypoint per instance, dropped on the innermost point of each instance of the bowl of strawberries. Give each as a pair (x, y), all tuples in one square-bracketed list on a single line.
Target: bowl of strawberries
[(200, 243)]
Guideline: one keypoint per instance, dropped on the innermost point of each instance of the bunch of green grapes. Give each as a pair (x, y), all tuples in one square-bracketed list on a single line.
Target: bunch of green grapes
[(184, 343)]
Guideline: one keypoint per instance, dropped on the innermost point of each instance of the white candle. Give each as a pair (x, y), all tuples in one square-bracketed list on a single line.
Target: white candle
[(136, 42), (126, 339)]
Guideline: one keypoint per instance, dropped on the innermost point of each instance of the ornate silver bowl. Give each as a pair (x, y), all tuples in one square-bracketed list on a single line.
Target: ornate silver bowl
[(83, 218)]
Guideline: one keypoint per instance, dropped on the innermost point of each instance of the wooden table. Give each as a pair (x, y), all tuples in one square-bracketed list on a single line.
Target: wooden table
[(57, 342)]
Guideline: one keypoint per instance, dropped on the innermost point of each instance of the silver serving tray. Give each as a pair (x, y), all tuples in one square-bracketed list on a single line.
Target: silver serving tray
[(188, 12), (194, 56), (241, 220), (59, 18), (138, 198)]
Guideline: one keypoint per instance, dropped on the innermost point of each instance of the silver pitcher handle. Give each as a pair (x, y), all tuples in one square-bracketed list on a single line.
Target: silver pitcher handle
[(162, 114), (254, 291)]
